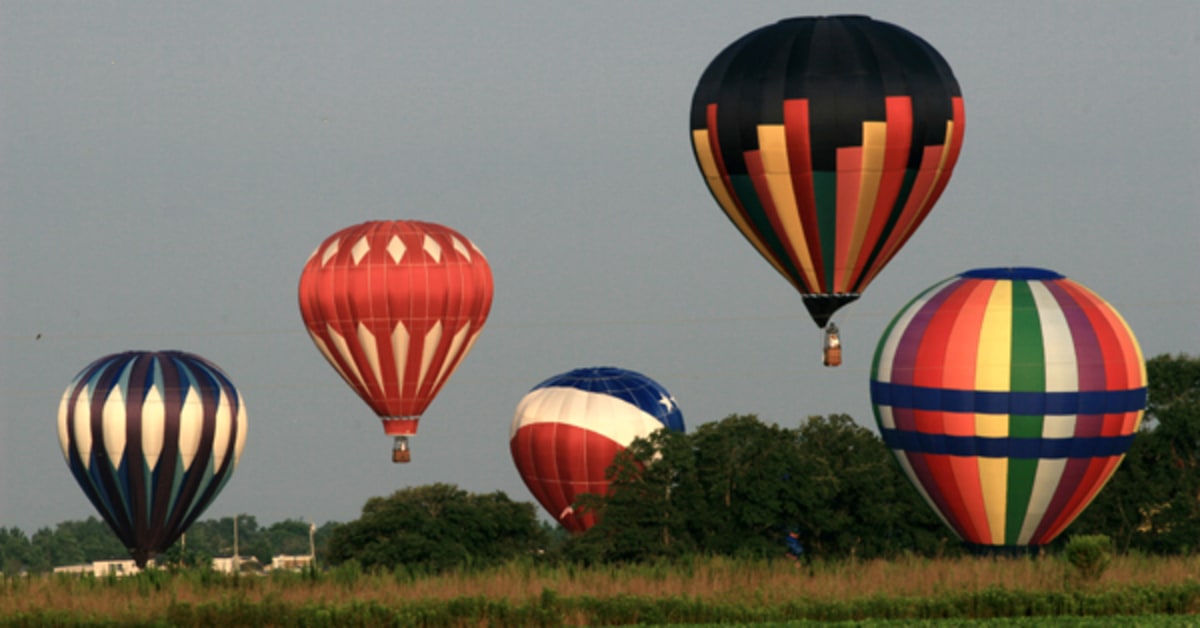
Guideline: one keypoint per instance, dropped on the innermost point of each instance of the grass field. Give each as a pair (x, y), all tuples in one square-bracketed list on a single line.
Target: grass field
[(697, 592)]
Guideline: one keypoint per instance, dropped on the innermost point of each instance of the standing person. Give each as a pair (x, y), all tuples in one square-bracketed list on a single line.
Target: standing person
[(795, 550)]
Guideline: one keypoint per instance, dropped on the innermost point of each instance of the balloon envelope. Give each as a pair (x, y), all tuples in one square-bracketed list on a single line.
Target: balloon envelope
[(1009, 396), (151, 438), (395, 306), (568, 430), (826, 141)]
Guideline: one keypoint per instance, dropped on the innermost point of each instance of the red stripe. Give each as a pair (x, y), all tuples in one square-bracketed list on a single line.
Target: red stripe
[(560, 462), (970, 488), (942, 469), (757, 171), (927, 478), (714, 144), (953, 150), (799, 150), (946, 364), (899, 138), (915, 208)]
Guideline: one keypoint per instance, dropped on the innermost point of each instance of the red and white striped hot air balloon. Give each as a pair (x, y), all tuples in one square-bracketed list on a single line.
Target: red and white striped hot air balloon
[(395, 306)]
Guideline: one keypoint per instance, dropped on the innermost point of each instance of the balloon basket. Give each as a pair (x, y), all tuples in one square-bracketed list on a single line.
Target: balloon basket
[(400, 452), (833, 346)]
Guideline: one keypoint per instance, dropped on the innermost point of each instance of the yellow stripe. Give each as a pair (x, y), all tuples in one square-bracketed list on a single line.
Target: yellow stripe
[(992, 368), (994, 359), (873, 152), (708, 165), (772, 142), (993, 480)]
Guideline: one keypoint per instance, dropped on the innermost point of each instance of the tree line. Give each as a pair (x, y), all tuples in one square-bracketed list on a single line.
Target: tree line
[(80, 542), (733, 487)]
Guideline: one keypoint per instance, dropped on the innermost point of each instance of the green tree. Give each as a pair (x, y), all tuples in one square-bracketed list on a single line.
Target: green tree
[(748, 471), (290, 536), (738, 486), (851, 498), (15, 551), (54, 549), (437, 527), (95, 540), (1152, 501), (654, 495)]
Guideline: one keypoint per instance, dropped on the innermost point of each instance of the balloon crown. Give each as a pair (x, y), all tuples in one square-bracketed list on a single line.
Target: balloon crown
[(1019, 273)]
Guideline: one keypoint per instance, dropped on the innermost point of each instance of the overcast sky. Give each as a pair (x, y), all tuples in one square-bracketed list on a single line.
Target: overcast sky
[(167, 168)]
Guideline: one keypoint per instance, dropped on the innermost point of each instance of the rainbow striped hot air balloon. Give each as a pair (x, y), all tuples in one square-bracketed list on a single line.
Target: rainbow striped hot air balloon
[(1009, 396)]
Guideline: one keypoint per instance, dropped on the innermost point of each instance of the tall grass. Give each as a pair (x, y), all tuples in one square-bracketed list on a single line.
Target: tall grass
[(521, 592)]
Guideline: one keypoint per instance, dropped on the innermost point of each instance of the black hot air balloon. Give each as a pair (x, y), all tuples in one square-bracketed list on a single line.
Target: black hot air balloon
[(827, 140)]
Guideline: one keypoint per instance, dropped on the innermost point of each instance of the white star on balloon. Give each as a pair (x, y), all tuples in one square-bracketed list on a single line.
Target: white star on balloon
[(667, 402)]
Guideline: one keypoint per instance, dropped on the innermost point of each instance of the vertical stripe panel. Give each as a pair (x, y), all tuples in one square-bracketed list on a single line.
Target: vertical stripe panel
[(772, 139), (993, 480), (885, 355), (874, 155), (992, 374), (1049, 474), (1027, 374), (849, 198), (994, 357)]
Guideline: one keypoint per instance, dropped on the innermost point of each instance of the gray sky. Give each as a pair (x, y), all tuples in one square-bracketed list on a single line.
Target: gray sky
[(166, 169)]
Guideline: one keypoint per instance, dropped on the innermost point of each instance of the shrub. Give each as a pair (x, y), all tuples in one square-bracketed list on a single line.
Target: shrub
[(1089, 555)]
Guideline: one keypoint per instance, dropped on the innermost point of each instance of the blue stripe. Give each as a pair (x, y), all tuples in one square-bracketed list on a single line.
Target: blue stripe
[(992, 402), (630, 386), (1014, 273), (1029, 448)]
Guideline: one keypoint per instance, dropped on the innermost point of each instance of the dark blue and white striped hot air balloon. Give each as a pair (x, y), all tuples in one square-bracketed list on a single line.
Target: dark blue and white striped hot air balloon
[(152, 438), (569, 428)]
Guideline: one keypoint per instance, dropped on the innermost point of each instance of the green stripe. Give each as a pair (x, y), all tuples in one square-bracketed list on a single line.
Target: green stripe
[(825, 196), (1027, 373), (1021, 472)]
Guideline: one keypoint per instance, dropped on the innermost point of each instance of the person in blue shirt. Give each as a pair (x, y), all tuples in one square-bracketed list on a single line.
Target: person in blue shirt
[(795, 550)]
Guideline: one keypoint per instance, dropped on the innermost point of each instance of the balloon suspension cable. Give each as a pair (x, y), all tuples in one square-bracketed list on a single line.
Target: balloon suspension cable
[(832, 348), (400, 451)]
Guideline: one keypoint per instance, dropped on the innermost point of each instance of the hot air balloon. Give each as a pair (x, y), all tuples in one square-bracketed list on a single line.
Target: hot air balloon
[(1009, 396), (568, 430), (827, 141), (395, 306), (151, 437)]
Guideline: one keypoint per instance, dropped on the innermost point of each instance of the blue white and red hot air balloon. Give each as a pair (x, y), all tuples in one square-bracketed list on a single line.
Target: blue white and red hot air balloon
[(569, 428)]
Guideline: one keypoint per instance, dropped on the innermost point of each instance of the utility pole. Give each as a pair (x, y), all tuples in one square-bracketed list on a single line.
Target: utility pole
[(237, 561), (312, 546)]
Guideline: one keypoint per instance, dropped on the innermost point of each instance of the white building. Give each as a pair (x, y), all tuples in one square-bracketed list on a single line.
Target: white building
[(291, 563), (103, 568)]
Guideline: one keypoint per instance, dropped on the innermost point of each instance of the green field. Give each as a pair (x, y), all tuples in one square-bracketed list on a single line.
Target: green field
[(1132, 591)]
